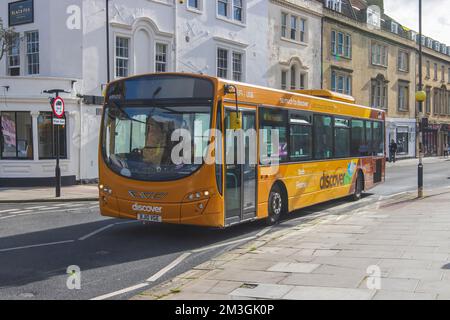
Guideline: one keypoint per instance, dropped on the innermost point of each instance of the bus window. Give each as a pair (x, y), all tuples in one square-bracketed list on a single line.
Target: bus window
[(369, 138), (358, 139), (341, 138), (271, 119), (301, 137), (323, 137), (378, 139)]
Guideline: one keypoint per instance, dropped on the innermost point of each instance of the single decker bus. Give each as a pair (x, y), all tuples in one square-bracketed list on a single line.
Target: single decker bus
[(323, 147)]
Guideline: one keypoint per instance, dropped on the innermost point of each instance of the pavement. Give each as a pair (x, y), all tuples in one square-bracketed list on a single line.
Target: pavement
[(87, 192), (398, 248)]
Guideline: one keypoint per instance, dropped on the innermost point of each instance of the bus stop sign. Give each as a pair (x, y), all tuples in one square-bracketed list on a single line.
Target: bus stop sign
[(58, 107)]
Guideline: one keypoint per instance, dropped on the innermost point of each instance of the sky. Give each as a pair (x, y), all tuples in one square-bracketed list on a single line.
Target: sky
[(436, 17)]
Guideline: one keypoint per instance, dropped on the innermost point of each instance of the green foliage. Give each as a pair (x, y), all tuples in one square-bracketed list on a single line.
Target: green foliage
[(7, 37)]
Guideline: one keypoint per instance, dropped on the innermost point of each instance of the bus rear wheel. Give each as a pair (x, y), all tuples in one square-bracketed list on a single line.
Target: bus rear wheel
[(277, 205), (359, 187)]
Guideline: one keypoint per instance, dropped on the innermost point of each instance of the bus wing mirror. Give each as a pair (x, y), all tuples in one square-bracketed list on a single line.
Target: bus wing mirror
[(235, 120)]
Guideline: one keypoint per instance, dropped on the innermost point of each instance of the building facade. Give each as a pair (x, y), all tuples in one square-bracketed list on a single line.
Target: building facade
[(233, 39), (366, 57), (436, 109)]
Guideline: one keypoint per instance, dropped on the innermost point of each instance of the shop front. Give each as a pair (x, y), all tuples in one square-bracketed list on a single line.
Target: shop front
[(403, 132), (28, 136)]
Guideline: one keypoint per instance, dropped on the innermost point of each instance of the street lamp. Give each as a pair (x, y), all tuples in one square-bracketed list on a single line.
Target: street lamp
[(108, 69), (420, 98)]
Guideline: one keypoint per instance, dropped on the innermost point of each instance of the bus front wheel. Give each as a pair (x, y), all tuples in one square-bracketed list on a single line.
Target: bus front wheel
[(359, 187), (277, 205)]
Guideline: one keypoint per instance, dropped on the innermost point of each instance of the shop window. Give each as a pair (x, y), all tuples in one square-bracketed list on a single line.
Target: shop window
[(402, 141), (47, 137), (16, 135)]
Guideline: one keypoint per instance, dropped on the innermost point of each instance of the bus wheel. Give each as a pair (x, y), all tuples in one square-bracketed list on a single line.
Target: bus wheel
[(276, 205), (359, 187)]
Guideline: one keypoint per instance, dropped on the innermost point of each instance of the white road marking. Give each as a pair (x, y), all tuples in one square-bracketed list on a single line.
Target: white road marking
[(96, 232), (123, 291), (9, 210), (36, 246), (7, 217), (263, 232), (34, 208), (223, 244), (169, 267), (22, 212)]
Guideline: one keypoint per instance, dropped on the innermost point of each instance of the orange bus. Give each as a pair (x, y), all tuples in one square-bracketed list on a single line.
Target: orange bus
[(328, 148)]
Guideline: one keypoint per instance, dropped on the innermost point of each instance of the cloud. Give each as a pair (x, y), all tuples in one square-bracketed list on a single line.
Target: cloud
[(436, 23)]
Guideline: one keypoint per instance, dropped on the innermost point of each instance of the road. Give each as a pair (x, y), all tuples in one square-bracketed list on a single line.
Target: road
[(38, 242)]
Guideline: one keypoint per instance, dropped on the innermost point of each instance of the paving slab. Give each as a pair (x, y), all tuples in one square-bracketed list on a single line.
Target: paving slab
[(328, 293), (289, 267), (263, 291)]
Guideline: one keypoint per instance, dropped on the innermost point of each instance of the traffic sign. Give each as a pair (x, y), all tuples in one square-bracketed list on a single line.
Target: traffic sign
[(58, 107), (59, 122)]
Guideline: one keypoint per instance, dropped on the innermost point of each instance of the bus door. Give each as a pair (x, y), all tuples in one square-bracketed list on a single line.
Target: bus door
[(241, 174)]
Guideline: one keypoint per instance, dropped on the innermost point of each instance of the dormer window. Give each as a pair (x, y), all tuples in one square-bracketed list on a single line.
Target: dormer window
[(335, 5), (373, 17), (394, 27)]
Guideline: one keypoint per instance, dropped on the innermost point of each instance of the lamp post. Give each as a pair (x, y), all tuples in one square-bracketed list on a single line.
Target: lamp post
[(420, 98), (108, 69)]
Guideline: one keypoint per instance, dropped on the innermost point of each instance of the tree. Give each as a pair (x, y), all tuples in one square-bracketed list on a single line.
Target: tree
[(7, 37)]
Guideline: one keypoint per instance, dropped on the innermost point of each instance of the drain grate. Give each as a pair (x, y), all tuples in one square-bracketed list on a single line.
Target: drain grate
[(249, 286)]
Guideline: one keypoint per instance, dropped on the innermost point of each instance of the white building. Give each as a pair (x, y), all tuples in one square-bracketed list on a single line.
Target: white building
[(63, 46)]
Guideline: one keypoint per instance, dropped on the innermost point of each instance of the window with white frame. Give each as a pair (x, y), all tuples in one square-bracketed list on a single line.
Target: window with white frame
[(297, 29), (403, 96), (341, 82), (237, 66), (227, 58), (379, 54), (373, 17), (222, 63), (194, 4), (335, 5), (161, 57), (394, 27), (122, 57), (284, 77), (284, 27), (32, 42), (14, 58), (403, 61), (297, 77), (341, 44), (379, 90), (231, 9)]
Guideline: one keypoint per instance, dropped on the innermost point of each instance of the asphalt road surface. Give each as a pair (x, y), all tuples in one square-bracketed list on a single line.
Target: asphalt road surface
[(118, 259)]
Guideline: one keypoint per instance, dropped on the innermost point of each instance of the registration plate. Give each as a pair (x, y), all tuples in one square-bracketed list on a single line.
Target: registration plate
[(149, 217)]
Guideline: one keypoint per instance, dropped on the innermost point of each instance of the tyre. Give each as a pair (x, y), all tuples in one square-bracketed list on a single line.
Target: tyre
[(359, 187), (277, 205)]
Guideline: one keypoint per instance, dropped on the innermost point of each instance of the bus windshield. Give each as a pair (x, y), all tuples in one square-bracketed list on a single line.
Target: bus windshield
[(138, 134)]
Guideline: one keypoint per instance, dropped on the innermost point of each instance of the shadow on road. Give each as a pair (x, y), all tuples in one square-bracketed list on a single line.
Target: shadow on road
[(117, 245)]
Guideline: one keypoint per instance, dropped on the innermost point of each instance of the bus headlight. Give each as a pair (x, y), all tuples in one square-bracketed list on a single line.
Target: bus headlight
[(196, 196)]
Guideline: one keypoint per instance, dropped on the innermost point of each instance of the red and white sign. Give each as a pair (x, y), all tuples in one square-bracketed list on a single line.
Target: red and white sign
[(58, 107)]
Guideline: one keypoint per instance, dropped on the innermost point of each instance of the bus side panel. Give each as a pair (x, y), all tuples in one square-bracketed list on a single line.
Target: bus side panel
[(310, 183)]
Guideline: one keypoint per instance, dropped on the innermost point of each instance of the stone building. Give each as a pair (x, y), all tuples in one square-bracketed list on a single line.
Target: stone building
[(370, 56)]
